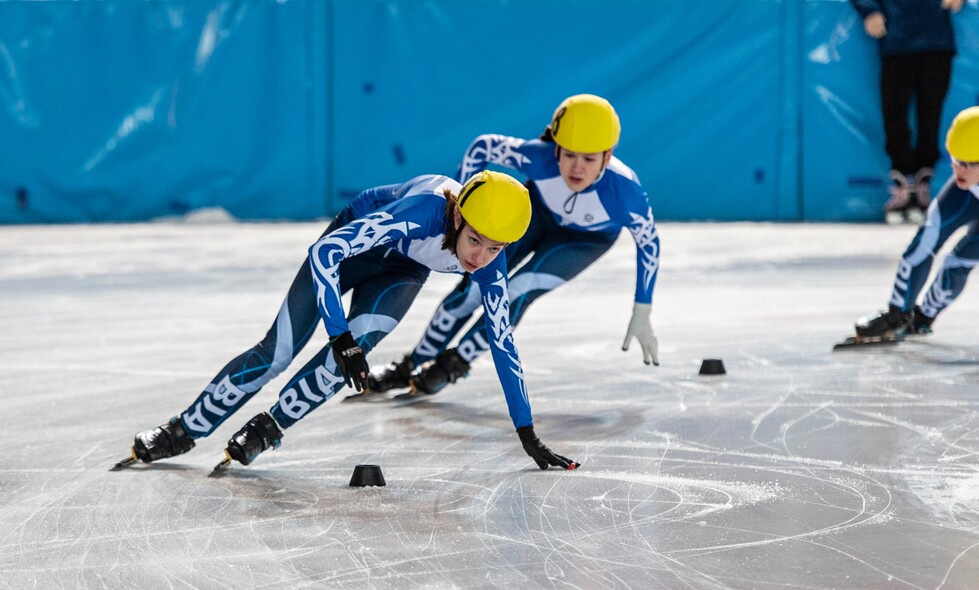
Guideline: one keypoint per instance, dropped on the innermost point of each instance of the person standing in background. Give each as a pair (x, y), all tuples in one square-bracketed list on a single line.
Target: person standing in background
[(917, 44)]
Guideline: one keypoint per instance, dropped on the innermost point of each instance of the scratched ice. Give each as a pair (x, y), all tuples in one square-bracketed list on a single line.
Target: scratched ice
[(800, 468)]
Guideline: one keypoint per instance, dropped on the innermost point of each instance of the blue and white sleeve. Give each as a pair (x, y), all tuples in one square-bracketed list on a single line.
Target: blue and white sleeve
[(491, 148), (358, 236), (496, 311), (642, 226)]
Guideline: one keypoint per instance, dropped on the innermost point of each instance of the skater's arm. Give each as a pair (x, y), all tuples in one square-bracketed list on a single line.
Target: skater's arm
[(643, 230), (491, 148), (496, 311), (411, 217)]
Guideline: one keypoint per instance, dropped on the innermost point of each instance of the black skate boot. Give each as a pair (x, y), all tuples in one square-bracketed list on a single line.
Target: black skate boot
[(260, 434), (434, 375), (396, 375), (887, 325), (162, 442), (920, 325)]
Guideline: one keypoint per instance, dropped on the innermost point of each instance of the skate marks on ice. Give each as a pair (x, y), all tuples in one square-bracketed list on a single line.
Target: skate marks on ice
[(799, 468)]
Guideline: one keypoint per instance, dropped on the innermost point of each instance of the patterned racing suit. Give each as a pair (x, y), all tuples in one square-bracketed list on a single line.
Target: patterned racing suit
[(568, 232), (951, 210), (381, 247)]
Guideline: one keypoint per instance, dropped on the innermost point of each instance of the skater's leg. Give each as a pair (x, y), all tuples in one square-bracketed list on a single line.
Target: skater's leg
[(383, 291), (458, 307), (950, 282), (558, 259), (951, 210), (247, 373)]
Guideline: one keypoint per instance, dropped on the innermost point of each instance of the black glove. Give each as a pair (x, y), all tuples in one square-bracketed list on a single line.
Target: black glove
[(541, 454), (351, 361)]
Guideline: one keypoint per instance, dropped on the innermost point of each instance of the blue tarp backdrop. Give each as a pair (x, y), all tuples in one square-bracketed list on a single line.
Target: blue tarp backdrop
[(127, 110)]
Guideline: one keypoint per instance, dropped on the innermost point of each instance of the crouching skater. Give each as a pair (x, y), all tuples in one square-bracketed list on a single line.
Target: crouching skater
[(381, 247)]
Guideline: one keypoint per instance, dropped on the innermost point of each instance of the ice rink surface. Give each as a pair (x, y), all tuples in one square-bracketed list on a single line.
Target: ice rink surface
[(800, 468)]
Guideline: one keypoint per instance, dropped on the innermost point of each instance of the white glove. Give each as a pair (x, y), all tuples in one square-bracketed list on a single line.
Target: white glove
[(642, 330)]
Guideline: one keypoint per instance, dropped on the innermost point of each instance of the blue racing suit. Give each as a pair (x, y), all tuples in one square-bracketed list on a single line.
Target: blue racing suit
[(951, 210), (568, 232), (381, 247)]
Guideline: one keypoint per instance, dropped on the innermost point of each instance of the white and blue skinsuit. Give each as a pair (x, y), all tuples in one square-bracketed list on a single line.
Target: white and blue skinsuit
[(953, 208), (382, 246), (568, 232)]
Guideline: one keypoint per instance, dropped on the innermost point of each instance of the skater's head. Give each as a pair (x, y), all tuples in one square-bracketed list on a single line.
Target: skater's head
[(962, 143), (491, 211), (586, 130)]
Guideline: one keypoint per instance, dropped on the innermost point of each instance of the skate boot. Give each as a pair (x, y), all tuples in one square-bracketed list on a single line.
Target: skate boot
[(920, 325), (922, 187), (900, 192), (396, 375), (434, 375), (260, 434), (886, 325), (162, 442)]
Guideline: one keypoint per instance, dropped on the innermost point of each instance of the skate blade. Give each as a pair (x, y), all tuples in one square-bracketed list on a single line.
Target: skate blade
[(125, 462), (223, 465), (412, 395), (366, 396), (853, 341)]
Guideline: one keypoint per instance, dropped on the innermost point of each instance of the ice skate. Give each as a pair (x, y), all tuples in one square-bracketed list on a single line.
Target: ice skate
[(396, 375), (887, 327), (434, 375), (922, 187), (900, 192), (920, 325), (162, 442), (260, 434)]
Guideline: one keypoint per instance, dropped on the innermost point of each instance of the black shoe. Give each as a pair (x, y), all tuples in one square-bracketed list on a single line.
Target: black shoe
[(396, 375), (922, 184), (260, 434), (434, 375), (163, 442), (920, 324), (900, 191), (886, 324)]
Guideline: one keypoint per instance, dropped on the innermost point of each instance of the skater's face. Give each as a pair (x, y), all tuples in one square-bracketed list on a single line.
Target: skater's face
[(580, 170), (473, 249), (966, 173)]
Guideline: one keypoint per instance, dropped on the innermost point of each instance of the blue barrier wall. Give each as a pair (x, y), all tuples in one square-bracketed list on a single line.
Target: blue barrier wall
[(732, 109)]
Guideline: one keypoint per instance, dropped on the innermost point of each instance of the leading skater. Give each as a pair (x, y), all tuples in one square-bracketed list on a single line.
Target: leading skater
[(956, 206), (381, 247), (582, 198)]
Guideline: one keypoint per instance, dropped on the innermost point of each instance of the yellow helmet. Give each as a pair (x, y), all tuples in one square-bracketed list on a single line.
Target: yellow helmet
[(585, 123), (962, 141), (495, 205)]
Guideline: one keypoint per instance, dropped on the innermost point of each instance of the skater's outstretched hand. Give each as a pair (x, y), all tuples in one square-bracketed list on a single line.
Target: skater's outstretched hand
[(542, 455), (351, 361), (642, 330)]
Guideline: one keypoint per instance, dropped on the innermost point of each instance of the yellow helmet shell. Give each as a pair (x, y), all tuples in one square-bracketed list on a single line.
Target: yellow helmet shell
[(962, 141), (496, 205), (585, 123)]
